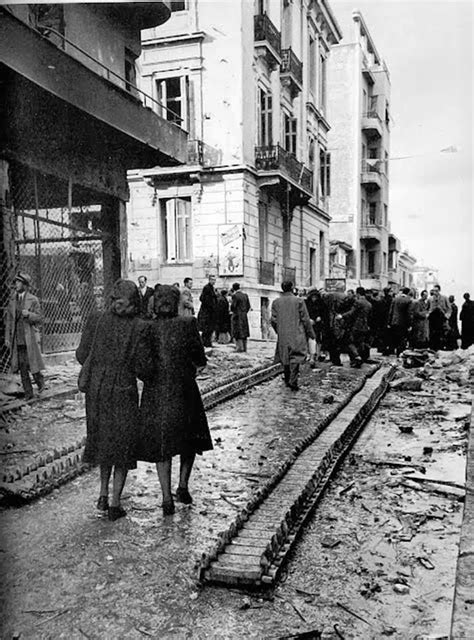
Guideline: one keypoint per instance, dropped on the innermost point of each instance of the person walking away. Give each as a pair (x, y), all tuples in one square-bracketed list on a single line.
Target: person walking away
[(333, 325), (146, 293), (111, 341), (173, 421), (223, 324), (467, 322), (399, 319), (358, 319), (292, 324), (22, 331), (419, 328), (207, 312), (439, 311), (240, 306), (453, 329), (186, 302)]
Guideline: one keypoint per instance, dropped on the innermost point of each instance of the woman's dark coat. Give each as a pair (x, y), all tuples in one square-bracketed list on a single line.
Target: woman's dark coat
[(240, 306), (173, 420), (467, 324), (112, 395), (208, 309)]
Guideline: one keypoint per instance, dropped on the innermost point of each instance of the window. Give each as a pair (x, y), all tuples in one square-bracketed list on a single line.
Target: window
[(46, 18), (261, 7), (312, 65), (178, 5), (321, 254), (325, 173), (176, 225), (384, 257), (312, 266), (311, 154), (130, 71), (286, 39), (265, 119), (263, 229), (364, 101), (385, 215), (289, 133), (172, 96), (372, 213), (371, 261), (322, 82)]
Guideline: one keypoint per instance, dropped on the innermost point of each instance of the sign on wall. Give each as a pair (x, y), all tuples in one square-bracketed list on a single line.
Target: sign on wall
[(231, 250), (335, 284)]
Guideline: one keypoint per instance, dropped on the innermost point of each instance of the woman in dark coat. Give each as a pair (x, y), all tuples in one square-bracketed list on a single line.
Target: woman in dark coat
[(173, 420), (467, 322), (111, 394), (223, 318), (453, 329)]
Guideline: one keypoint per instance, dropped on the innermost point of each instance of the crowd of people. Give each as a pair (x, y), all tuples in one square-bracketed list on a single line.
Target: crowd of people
[(223, 314)]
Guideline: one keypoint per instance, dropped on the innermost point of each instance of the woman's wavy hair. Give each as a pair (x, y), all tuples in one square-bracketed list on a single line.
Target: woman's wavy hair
[(166, 301), (124, 298)]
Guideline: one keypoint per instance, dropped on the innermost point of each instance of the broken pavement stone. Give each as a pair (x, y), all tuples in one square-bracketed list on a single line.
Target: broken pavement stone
[(406, 384)]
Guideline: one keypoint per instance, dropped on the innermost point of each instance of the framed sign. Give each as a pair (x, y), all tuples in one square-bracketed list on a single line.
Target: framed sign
[(335, 284), (231, 250)]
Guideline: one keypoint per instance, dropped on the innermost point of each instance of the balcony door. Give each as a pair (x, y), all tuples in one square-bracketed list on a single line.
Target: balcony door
[(265, 118)]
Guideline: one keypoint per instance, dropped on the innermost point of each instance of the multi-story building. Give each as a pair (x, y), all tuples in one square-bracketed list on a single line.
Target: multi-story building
[(358, 92), (73, 122), (248, 81), (406, 265), (424, 277)]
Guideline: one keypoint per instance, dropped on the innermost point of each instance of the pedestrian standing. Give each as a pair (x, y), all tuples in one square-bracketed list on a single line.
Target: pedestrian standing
[(186, 303), (291, 322), (399, 319), (453, 329), (240, 306), (207, 312), (317, 313), (173, 421), (439, 311), (111, 342), (22, 330), (419, 329), (146, 293), (223, 323), (467, 322)]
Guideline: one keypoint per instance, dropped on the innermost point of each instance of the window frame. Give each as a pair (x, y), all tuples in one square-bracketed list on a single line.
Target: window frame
[(176, 237)]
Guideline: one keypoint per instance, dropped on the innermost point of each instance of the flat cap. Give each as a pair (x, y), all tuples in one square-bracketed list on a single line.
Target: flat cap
[(25, 278)]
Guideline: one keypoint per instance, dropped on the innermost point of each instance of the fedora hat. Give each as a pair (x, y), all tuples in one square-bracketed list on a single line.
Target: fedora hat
[(25, 278)]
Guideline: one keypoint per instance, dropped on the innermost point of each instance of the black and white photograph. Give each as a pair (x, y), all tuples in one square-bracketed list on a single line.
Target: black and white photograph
[(237, 320)]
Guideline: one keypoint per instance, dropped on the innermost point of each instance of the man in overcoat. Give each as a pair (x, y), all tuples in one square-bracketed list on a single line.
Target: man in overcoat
[(208, 310), (146, 294), (240, 306), (358, 321), (400, 319), (22, 332), (291, 322)]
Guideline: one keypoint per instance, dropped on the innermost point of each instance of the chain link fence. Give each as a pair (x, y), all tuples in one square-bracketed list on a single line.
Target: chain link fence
[(53, 232)]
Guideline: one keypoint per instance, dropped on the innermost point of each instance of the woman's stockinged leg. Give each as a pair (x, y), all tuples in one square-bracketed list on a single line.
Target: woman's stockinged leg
[(186, 466), (105, 471), (120, 475), (164, 476)]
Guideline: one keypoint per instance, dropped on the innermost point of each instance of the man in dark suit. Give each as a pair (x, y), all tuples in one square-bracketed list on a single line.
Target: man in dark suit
[(145, 294), (400, 318), (358, 320), (208, 312)]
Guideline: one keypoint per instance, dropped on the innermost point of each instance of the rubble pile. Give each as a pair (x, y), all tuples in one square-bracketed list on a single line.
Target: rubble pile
[(450, 366)]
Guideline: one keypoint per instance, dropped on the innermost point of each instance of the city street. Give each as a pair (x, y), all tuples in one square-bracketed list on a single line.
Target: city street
[(70, 573)]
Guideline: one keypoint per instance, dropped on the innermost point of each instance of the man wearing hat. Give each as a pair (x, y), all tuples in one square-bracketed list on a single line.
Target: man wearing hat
[(22, 335)]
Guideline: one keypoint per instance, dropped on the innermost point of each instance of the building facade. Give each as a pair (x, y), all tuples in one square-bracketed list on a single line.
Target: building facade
[(248, 81), (73, 122), (359, 112)]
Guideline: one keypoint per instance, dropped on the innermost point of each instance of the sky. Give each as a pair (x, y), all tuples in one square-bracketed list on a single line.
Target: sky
[(428, 48)]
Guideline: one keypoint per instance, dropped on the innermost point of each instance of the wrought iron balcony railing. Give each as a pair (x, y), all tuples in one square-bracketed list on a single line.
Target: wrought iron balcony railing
[(275, 158), (266, 272), (371, 166), (290, 64), (265, 30)]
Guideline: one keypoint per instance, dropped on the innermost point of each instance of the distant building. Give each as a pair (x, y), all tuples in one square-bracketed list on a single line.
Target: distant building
[(248, 81), (73, 122), (359, 113), (424, 277), (406, 265)]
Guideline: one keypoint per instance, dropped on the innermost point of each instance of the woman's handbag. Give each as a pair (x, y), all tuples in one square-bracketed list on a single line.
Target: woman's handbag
[(84, 376)]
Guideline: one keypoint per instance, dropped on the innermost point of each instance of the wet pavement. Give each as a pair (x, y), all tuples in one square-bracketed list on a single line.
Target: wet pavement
[(70, 573)]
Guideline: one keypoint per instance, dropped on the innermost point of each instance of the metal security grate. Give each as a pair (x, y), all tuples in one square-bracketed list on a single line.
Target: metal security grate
[(57, 235)]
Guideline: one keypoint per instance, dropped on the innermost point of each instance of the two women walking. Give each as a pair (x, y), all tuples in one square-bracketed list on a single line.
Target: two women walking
[(165, 353)]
